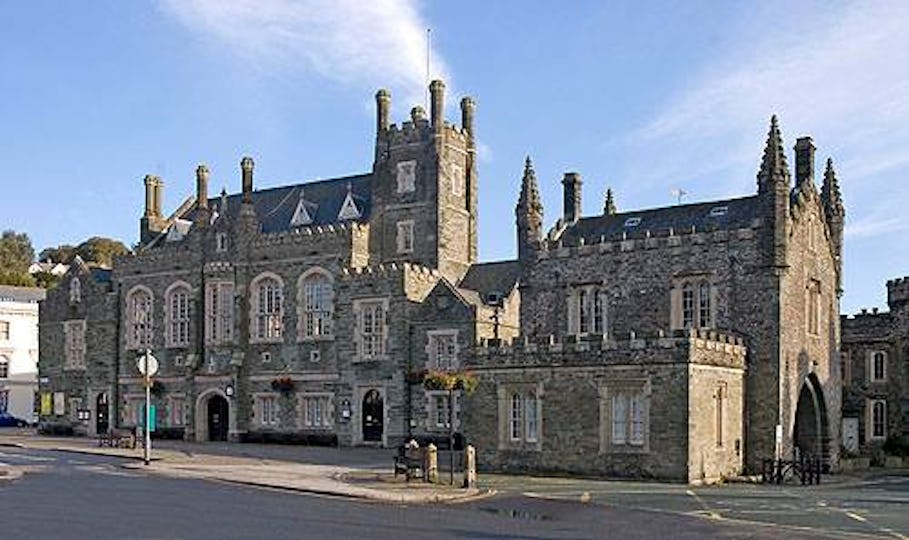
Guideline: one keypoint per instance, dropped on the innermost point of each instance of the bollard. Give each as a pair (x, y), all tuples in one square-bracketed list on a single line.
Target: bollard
[(432, 463), (470, 466)]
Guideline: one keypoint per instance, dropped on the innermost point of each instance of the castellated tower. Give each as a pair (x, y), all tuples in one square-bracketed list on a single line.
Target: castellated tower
[(424, 198)]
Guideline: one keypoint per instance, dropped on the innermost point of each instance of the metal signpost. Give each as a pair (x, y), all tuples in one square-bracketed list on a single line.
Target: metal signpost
[(148, 367)]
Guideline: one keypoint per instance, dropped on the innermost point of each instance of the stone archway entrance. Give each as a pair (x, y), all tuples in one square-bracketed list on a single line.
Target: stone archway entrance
[(373, 416), (212, 416), (811, 434)]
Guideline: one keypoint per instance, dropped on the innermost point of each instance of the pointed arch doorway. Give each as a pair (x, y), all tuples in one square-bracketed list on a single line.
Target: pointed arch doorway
[(373, 416), (811, 434)]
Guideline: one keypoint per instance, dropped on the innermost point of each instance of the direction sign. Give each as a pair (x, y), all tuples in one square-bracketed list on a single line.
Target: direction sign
[(148, 360)]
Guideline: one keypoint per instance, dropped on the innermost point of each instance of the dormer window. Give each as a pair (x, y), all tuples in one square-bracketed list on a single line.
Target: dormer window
[(302, 215), (718, 211), (349, 209), (632, 222)]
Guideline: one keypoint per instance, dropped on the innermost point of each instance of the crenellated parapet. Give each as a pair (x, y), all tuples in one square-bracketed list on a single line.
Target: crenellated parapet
[(645, 240), (303, 235), (388, 270), (683, 346)]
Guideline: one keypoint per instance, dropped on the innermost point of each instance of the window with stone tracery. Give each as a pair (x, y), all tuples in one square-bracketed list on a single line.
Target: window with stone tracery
[(178, 321), (587, 310), (139, 321), (316, 304), (268, 309)]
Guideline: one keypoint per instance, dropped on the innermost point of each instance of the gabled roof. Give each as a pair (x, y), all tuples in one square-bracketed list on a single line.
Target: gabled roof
[(706, 216), (275, 207), (492, 277)]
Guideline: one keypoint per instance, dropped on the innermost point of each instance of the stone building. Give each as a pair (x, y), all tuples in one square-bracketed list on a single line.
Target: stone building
[(19, 350), (681, 342), (876, 373)]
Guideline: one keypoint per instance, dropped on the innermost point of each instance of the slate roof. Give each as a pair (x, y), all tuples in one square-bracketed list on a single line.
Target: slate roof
[(275, 206), (101, 275), (9, 293), (485, 278), (740, 213)]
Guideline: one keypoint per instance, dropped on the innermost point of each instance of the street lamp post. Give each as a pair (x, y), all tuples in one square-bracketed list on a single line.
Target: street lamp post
[(148, 367)]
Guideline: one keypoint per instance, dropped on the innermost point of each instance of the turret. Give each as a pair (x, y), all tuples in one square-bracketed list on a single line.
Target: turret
[(529, 216), (835, 213), (609, 204), (773, 188), (571, 197)]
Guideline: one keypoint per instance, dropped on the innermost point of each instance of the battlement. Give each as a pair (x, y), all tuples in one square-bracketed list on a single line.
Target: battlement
[(898, 292), (691, 346), (646, 239), (303, 234), (383, 271), (419, 131)]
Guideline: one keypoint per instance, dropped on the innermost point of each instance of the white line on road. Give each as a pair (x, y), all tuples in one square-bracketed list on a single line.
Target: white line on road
[(856, 517)]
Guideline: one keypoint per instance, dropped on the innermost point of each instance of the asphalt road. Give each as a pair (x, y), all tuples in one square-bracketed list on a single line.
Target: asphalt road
[(79, 496)]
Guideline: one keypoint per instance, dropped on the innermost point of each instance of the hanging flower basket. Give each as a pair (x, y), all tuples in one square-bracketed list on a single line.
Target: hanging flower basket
[(284, 385), (445, 380)]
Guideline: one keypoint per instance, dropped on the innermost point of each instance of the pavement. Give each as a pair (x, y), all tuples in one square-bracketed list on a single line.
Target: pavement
[(351, 473)]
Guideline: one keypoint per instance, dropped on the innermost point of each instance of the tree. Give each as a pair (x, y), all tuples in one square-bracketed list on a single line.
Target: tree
[(101, 250), (63, 253), (16, 254), (46, 280)]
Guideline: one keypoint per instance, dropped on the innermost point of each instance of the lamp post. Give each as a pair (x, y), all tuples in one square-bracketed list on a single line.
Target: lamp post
[(148, 367)]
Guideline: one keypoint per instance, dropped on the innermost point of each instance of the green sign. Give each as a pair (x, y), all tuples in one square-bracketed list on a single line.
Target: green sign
[(153, 421)]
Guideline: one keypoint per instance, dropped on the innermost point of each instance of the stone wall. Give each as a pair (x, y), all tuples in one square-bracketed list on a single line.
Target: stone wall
[(574, 382)]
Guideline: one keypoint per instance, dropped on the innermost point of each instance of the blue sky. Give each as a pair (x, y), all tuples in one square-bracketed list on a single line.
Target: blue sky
[(644, 98)]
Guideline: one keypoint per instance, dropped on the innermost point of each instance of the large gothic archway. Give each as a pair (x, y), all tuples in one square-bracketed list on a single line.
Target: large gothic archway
[(811, 433)]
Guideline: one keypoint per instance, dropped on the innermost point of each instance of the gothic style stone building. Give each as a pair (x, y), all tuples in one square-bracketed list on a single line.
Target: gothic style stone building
[(876, 373), (682, 342)]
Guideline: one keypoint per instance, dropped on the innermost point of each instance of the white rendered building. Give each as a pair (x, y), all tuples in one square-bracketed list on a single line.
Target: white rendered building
[(19, 350)]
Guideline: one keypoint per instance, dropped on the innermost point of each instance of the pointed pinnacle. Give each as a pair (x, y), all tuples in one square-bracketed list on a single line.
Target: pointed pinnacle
[(609, 205), (529, 196), (830, 190), (773, 163)]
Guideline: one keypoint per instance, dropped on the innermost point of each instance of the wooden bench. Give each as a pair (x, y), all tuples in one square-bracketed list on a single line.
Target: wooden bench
[(118, 438), (410, 462)]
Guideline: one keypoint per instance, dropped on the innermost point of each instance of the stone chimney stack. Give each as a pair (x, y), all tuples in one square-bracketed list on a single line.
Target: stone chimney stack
[(467, 111), (804, 160), (437, 104), (150, 188), (246, 165), (202, 187), (383, 110), (571, 198)]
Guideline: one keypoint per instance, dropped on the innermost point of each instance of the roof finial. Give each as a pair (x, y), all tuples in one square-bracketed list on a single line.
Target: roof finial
[(609, 205), (530, 195)]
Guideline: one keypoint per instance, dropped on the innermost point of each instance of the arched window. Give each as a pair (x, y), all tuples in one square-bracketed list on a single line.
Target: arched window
[(268, 308), (516, 416), (315, 301), (4, 367), (687, 306), (177, 302), (139, 304), (75, 291), (704, 308), (878, 366), (532, 422)]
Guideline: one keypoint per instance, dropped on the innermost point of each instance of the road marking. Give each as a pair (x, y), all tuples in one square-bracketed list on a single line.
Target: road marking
[(856, 517), (707, 511)]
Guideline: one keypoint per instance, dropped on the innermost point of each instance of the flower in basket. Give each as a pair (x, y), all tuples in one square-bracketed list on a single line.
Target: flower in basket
[(282, 384), (445, 380)]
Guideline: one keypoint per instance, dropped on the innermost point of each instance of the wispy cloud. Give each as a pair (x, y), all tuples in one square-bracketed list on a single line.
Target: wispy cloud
[(380, 42), (841, 78)]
